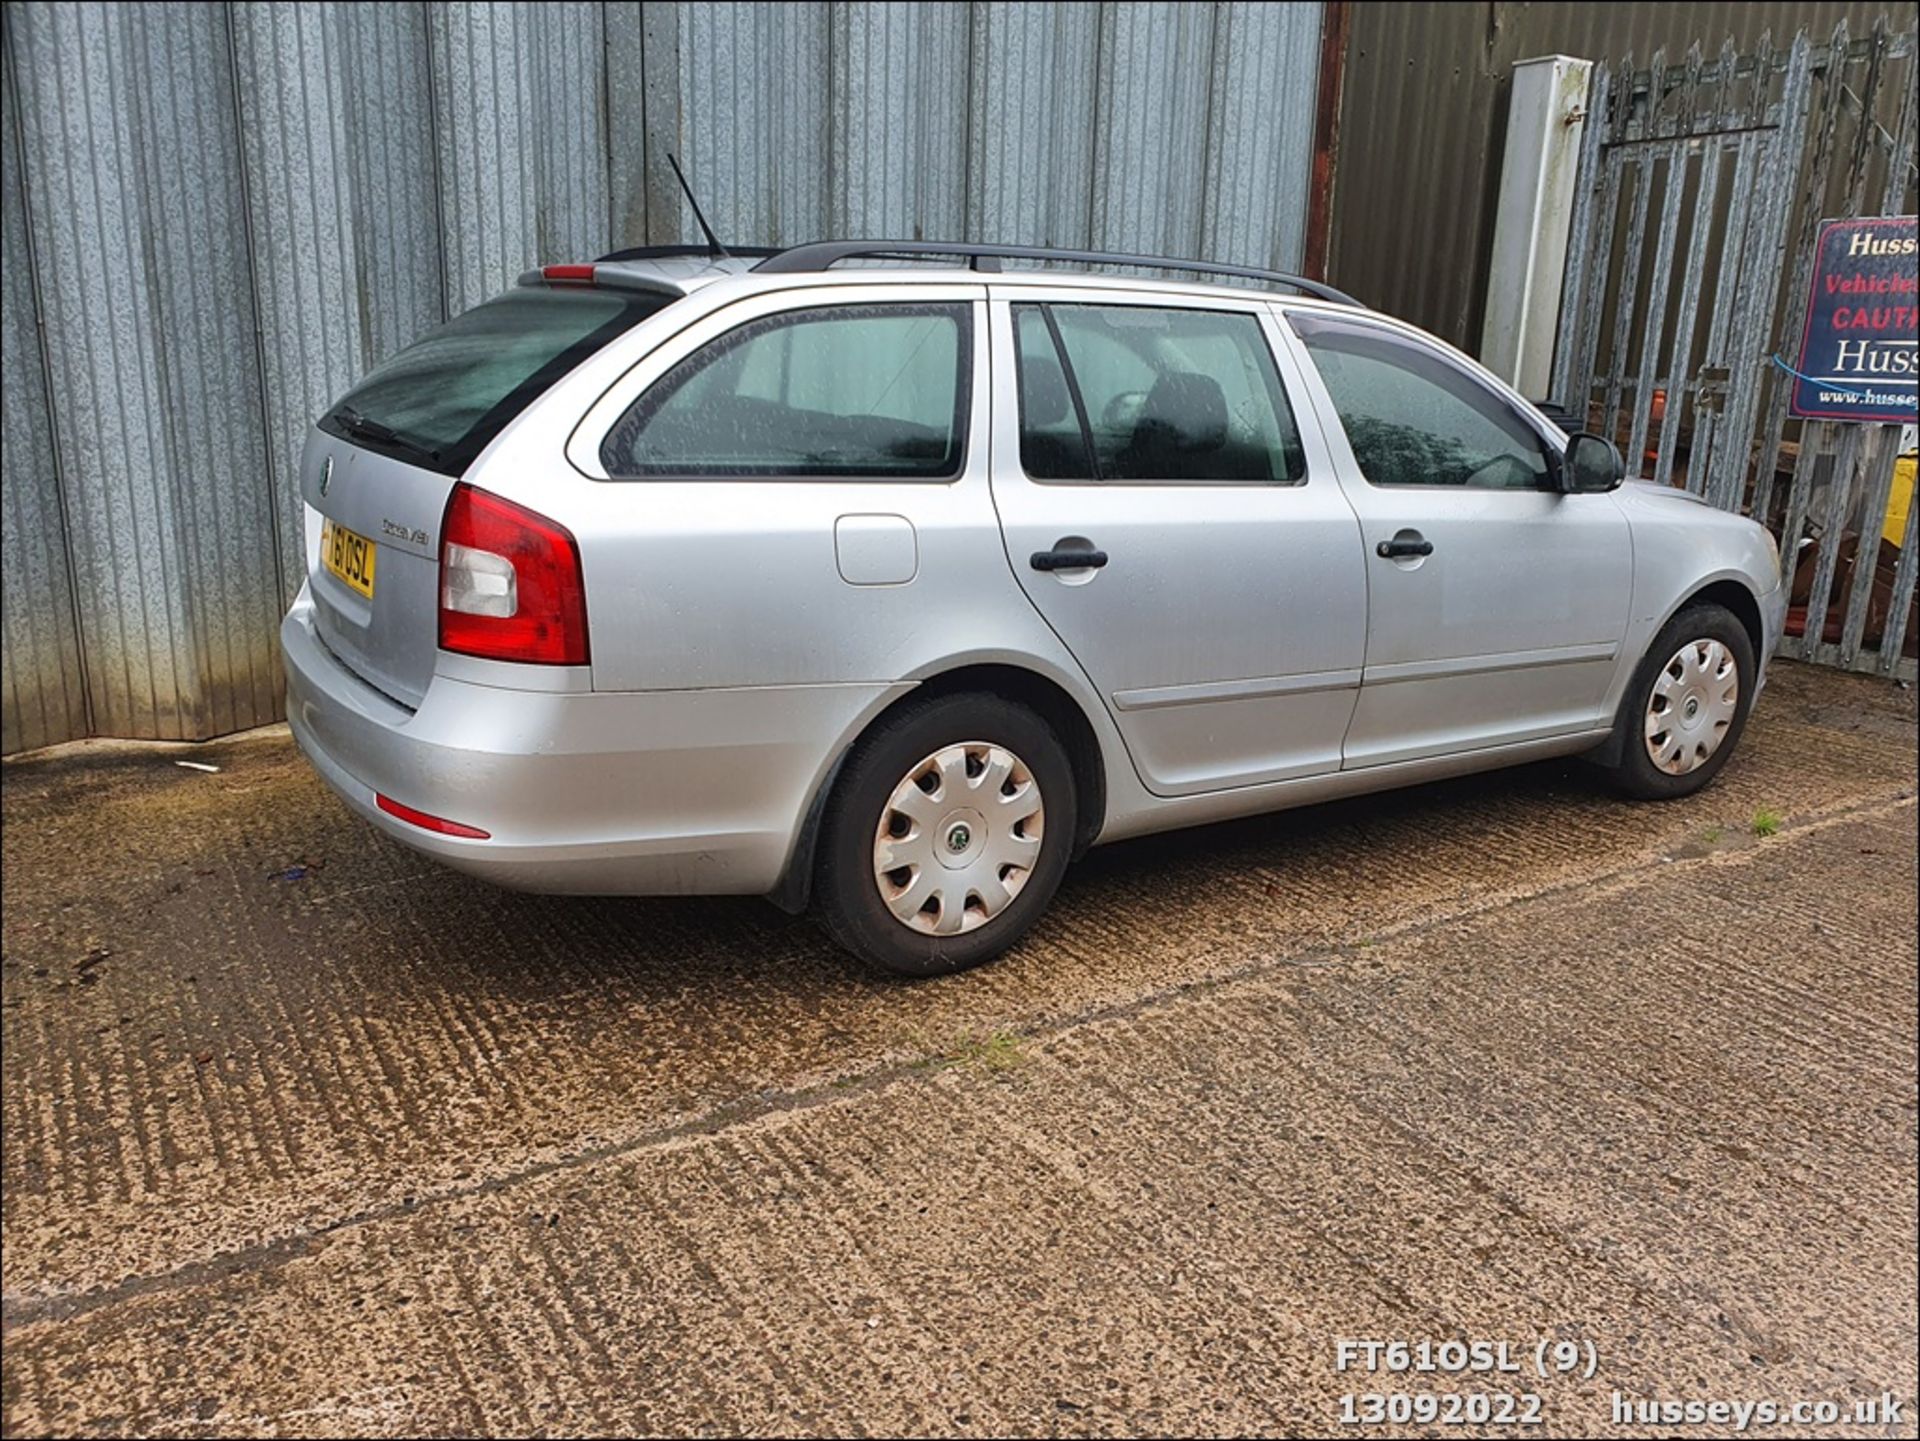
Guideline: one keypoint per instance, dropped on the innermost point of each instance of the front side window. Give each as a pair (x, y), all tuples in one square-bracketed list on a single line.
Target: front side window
[(1144, 393), (860, 391), (1412, 417)]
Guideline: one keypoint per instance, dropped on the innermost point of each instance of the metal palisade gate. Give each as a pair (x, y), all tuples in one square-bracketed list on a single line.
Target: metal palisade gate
[(1701, 191)]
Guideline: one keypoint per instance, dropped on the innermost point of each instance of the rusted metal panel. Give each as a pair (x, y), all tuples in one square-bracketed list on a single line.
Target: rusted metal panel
[(1334, 31)]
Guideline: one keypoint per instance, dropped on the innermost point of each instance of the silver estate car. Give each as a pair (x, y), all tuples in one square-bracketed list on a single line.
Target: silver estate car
[(889, 588)]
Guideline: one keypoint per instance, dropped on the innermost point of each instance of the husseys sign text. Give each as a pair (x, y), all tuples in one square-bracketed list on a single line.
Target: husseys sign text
[(1857, 354)]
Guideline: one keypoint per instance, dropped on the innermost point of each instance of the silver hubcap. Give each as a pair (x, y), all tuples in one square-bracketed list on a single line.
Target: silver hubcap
[(1691, 709), (958, 838)]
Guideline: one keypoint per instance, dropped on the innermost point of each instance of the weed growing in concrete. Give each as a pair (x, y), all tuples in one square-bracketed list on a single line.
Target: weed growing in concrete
[(1766, 822), (1714, 833), (997, 1052)]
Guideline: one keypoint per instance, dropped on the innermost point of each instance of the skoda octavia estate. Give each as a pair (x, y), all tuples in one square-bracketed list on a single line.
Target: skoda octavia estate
[(889, 589)]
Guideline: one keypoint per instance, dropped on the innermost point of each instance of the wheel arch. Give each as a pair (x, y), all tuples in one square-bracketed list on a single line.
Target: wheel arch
[(1735, 595), (1732, 593), (1023, 685)]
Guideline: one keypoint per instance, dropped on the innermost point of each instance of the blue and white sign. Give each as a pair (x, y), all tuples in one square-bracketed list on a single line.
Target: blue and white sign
[(1858, 351)]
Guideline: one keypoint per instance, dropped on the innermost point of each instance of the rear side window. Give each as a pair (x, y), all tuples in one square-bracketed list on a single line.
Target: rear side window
[(442, 399), (1143, 393), (1413, 417), (860, 391)]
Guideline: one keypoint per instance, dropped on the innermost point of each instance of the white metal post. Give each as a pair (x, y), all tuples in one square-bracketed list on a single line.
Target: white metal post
[(1537, 177)]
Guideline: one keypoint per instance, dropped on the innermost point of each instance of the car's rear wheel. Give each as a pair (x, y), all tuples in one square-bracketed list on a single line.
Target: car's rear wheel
[(1687, 706), (946, 835)]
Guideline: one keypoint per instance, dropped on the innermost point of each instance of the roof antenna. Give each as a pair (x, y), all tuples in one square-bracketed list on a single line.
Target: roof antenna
[(714, 247)]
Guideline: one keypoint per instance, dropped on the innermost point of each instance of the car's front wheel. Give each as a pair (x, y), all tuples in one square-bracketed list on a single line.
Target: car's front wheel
[(946, 834), (1687, 705)]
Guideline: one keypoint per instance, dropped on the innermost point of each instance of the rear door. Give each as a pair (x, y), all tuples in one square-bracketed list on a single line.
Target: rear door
[(379, 465), (1496, 605), (791, 490), (1177, 529)]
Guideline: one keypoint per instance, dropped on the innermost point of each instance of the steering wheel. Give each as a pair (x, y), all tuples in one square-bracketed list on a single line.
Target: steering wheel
[(1121, 411)]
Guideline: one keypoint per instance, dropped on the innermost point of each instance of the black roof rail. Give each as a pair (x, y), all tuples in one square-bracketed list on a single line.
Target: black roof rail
[(825, 253), (672, 252)]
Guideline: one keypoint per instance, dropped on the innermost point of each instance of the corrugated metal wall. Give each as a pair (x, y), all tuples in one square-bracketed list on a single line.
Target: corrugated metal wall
[(1423, 122), (217, 215)]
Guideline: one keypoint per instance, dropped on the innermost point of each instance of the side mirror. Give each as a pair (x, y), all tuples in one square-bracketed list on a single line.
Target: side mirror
[(1592, 464)]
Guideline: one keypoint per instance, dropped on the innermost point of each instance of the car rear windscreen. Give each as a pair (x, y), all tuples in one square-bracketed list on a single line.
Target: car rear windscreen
[(438, 402)]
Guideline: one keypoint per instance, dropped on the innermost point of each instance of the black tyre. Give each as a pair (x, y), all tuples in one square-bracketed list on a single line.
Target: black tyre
[(1687, 705), (946, 834)]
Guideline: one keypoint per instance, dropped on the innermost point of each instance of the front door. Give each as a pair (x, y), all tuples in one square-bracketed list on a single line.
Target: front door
[(1496, 605), (1180, 532)]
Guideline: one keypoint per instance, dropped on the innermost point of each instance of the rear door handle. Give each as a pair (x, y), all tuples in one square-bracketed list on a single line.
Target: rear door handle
[(1064, 559), (1396, 549)]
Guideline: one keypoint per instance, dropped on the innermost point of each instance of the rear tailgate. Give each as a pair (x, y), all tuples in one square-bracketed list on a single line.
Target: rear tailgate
[(375, 575)]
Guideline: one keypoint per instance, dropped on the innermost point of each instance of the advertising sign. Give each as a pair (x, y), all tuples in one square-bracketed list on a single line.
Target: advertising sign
[(1857, 354)]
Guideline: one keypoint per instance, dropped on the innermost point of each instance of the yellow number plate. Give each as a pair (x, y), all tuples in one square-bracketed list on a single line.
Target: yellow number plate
[(348, 555)]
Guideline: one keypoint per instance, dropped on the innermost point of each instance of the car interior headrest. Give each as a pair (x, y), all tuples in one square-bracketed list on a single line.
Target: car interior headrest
[(1186, 409)]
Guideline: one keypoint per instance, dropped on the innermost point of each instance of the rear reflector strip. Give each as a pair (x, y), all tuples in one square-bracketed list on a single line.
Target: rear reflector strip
[(430, 823)]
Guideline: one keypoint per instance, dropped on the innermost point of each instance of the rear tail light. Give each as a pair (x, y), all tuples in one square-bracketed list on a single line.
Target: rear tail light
[(510, 585)]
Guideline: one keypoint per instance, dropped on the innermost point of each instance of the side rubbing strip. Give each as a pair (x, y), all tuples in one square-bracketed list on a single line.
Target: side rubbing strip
[(1481, 664), (1154, 697)]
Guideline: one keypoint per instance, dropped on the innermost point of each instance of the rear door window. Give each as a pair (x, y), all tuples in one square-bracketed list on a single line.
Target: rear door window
[(438, 402), (856, 391), (1146, 393)]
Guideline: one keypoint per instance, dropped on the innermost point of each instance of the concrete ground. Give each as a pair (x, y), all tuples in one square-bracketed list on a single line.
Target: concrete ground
[(304, 1135)]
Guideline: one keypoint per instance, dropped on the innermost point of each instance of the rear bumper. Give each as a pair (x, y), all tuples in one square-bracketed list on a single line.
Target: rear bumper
[(608, 793)]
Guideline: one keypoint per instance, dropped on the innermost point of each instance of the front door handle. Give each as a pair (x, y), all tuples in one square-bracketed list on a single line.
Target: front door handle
[(1400, 547), (1065, 558)]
